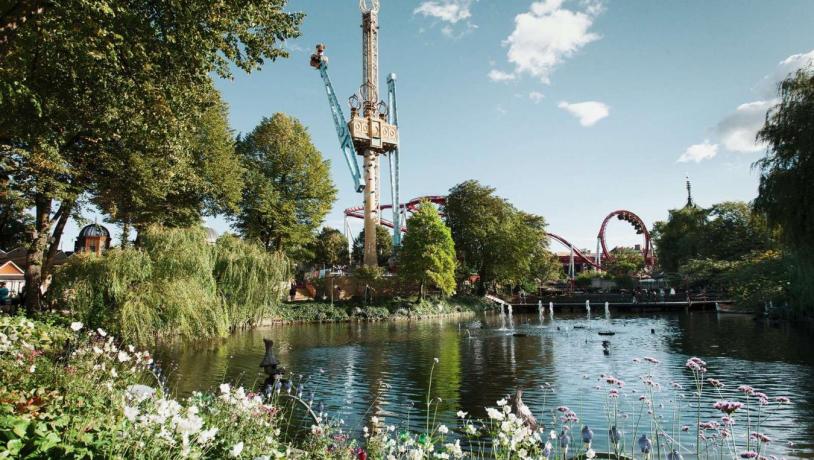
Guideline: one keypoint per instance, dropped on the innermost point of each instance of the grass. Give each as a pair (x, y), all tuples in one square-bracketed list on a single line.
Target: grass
[(321, 311)]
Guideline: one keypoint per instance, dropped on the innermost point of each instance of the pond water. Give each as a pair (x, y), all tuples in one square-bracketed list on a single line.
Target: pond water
[(345, 363)]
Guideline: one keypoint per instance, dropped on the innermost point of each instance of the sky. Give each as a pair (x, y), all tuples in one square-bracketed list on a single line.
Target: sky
[(569, 109)]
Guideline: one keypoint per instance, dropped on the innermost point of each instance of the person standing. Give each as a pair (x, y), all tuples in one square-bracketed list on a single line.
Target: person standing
[(4, 292)]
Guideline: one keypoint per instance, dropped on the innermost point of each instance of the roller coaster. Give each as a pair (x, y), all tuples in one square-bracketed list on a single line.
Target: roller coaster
[(602, 254)]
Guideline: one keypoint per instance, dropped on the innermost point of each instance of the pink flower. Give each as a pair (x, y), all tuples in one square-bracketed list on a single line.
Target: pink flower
[(727, 407), (782, 400), (749, 454), (760, 437), (716, 383), (696, 365), (746, 389)]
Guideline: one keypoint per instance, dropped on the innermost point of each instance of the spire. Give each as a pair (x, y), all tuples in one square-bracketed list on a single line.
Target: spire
[(690, 203)]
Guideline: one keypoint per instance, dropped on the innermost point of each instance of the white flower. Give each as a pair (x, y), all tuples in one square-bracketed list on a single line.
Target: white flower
[(494, 414), (461, 414), (224, 388), (262, 457), (236, 450), (130, 413), (552, 434), (443, 429), (470, 429), (113, 372), (123, 356), (436, 360), (316, 430), (207, 435), (97, 350), (502, 402), (101, 332), (32, 368), (76, 326), (590, 453)]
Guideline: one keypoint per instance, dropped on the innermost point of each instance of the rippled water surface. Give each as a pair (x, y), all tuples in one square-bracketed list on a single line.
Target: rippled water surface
[(343, 364)]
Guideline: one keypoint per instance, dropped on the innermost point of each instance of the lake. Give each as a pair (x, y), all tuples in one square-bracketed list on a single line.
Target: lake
[(345, 365)]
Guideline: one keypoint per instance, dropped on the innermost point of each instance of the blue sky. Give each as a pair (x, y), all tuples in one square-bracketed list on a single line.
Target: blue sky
[(569, 109)]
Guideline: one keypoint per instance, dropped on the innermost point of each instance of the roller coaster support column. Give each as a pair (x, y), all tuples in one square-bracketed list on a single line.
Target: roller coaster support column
[(393, 119)]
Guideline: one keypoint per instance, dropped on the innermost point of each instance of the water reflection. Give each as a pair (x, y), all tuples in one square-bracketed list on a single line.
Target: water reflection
[(345, 365)]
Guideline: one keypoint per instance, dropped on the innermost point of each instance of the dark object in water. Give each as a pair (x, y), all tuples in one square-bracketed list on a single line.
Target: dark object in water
[(272, 368), (519, 334), (652, 331), (606, 333), (579, 327)]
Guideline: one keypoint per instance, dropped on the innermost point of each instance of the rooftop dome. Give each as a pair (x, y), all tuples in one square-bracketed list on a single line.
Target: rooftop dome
[(94, 230)]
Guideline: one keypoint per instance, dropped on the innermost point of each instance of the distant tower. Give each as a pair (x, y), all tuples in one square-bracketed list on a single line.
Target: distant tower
[(690, 203)]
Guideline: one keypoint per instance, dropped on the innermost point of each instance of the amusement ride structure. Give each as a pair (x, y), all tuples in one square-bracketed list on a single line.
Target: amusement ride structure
[(371, 132), (603, 253)]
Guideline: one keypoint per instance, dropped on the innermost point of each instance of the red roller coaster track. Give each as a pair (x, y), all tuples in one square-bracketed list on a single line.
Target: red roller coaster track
[(621, 214)]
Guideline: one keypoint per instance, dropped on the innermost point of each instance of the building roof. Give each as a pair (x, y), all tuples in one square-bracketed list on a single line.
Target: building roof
[(9, 270), (94, 230)]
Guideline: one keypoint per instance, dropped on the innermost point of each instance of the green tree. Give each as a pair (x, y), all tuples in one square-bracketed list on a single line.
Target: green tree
[(679, 238), (288, 188), (138, 189), (384, 246), (724, 231), (624, 266), (330, 248), (786, 192), (15, 222), (428, 253), (491, 237), (82, 81)]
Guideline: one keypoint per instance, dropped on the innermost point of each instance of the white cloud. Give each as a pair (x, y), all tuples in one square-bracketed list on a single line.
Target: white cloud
[(588, 112), (451, 11), (548, 34), (737, 131), (536, 96), (497, 75), (699, 152)]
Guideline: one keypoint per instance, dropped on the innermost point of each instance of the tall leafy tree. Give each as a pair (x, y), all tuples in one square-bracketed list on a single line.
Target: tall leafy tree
[(330, 248), (83, 80), (384, 246), (288, 187), (427, 255), (493, 238), (724, 231), (786, 191), (15, 222), (142, 188)]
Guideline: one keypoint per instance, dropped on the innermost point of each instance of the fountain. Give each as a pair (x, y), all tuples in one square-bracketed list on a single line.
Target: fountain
[(588, 309), (551, 310), (502, 320), (607, 311), (511, 323), (540, 311)]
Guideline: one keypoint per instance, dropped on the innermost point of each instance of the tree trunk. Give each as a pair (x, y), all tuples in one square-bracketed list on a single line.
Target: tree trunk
[(36, 252), (125, 234), (62, 217)]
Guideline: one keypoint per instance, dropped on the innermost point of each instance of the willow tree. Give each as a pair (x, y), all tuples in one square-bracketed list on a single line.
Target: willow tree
[(288, 188), (786, 193), (82, 81), (427, 255)]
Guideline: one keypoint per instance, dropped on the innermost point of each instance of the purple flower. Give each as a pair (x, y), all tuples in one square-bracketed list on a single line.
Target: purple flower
[(782, 400), (749, 454)]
